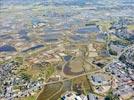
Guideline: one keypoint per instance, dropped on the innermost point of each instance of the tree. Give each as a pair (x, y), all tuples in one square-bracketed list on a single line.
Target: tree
[(19, 59), (112, 52), (25, 76), (111, 96)]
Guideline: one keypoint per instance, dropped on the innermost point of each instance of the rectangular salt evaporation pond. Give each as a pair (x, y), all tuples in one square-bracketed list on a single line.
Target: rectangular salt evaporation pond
[(5, 36), (78, 38), (35, 21), (51, 30), (33, 48), (66, 26), (24, 34), (7, 48), (89, 29), (52, 37), (5, 29), (67, 58)]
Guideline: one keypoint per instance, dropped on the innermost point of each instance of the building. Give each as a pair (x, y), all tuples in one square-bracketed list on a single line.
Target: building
[(98, 79), (91, 96), (69, 95)]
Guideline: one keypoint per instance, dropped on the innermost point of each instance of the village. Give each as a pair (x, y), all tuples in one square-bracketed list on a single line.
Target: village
[(53, 50)]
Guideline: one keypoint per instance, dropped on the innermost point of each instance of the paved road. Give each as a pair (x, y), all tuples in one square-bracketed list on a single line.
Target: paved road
[(125, 49), (24, 93)]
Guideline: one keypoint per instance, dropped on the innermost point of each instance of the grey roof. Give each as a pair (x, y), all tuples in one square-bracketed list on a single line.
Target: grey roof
[(98, 79), (91, 96)]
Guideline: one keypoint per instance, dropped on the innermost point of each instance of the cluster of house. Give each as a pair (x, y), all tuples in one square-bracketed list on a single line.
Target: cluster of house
[(101, 37), (128, 58), (116, 47), (120, 30), (26, 89), (124, 78), (13, 86), (101, 82), (69, 95), (6, 70)]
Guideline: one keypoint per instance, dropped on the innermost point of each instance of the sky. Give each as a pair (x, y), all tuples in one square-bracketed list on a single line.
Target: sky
[(97, 3), (108, 2)]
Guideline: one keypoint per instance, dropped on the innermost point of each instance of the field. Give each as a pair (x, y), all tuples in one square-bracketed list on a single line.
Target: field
[(49, 91), (74, 67), (55, 91)]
